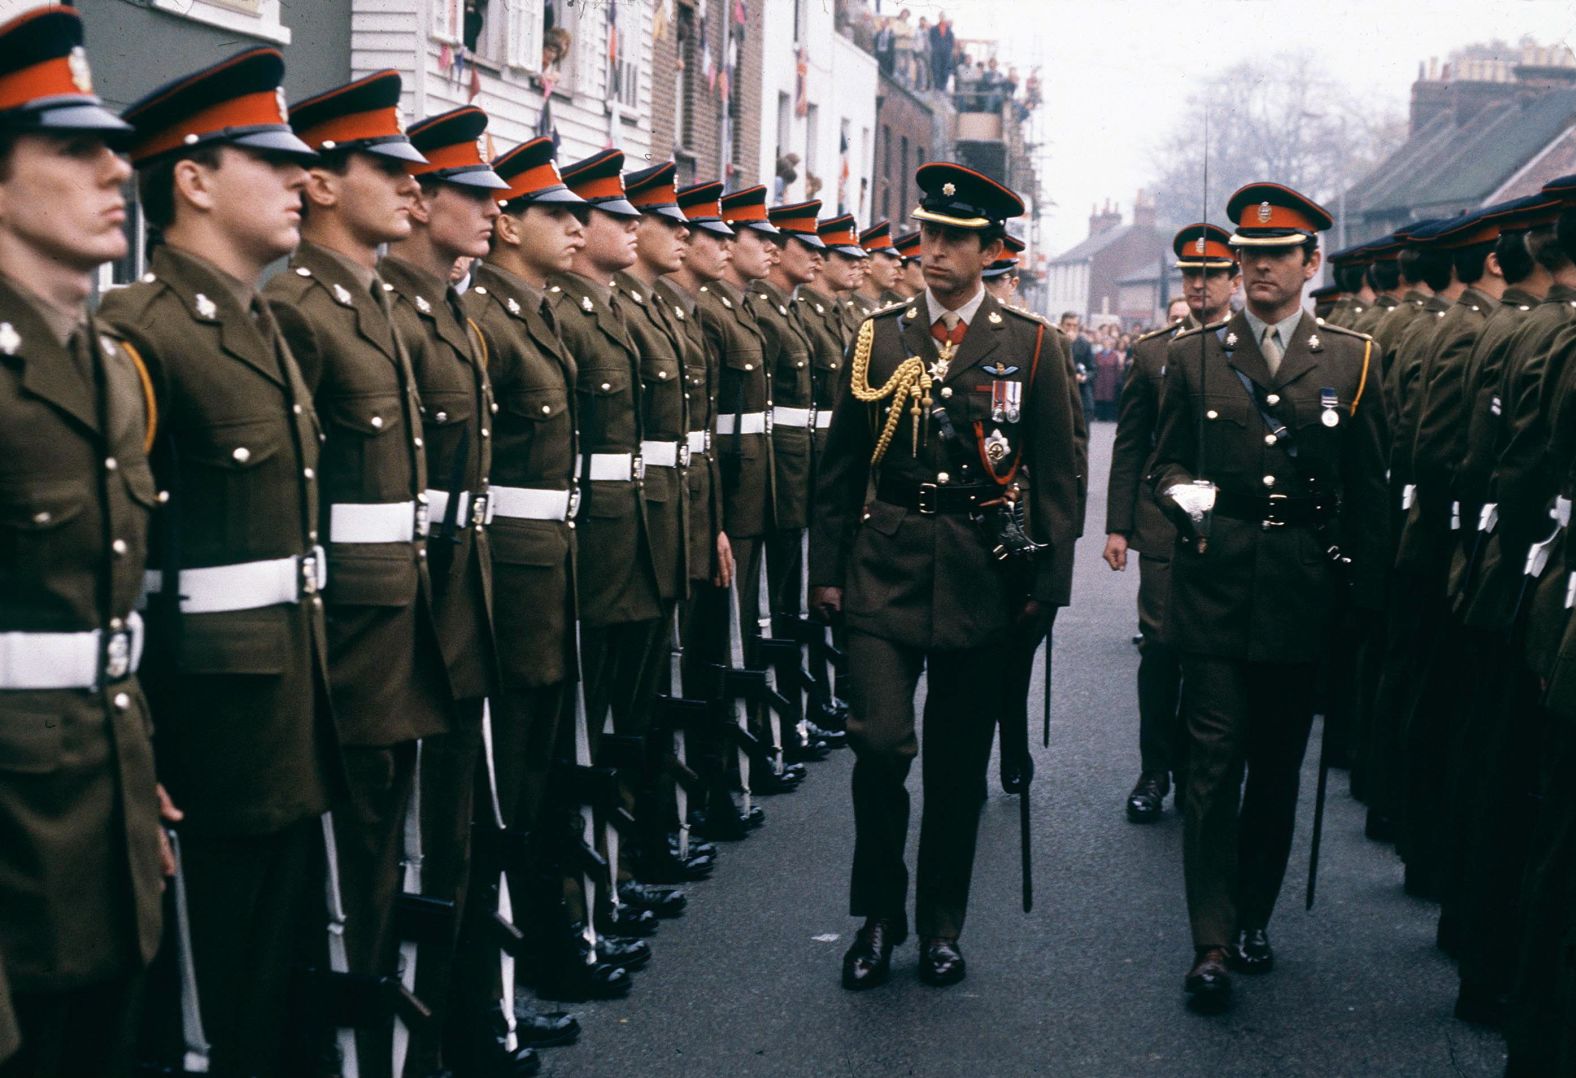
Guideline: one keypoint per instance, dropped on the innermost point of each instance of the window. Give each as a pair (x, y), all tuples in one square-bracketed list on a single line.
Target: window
[(886, 170), (812, 158), (784, 122), (624, 61), (800, 17), (255, 18), (561, 44), (902, 172), (124, 271), (685, 78)]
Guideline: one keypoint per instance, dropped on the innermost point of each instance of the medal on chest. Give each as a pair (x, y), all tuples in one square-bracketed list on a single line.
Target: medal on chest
[(943, 361), (1006, 393), (1327, 400)]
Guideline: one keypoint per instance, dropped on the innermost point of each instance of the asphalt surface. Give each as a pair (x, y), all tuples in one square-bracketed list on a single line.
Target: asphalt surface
[(1090, 983)]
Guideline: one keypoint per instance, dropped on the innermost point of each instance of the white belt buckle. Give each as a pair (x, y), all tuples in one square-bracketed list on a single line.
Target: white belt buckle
[(684, 455), (1562, 511), (1570, 592), (574, 502), (637, 468), (1488, 516), (1408, 496), (766, 421), (423, 516), (313, 568), (1455, 516), (481, 510), (117, 655)]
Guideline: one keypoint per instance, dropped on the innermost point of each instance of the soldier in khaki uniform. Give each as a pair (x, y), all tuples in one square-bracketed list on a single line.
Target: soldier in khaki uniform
[(387, 676), (535, 500), (237, 642), (942, 437), (843, 266), (1384, 278), (883, 270), (912, 282), (452, 218), (1269, 459), (656, 330), (80, 865), (1349, 268), (1135, 521)]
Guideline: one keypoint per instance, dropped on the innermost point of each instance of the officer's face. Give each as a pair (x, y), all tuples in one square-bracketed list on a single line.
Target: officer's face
[(707, 254), (1208, 291), (840, 272), (953, 257), (1273, 276), (63, 197), (660, 243), (883, 271), (372, 197), (1178, 310), (459, 219), (611, 241), (253, 198), (799, 262), (914, 276), (548, 237), (752, 254)]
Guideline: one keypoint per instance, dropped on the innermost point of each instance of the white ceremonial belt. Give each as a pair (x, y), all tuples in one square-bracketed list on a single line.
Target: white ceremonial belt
[(745, 423), (1455, 516), (664, 454), (791, 417), (473, 508), (530, 503), (1408, 495), (612, 467), (1488, 516), (699, 441), (377, 522), (85, 660), (1562, 511), (823, 419), (1570, 592), (247, 585)]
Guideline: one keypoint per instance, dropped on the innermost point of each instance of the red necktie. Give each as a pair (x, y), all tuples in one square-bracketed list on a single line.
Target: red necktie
[(953, 336)]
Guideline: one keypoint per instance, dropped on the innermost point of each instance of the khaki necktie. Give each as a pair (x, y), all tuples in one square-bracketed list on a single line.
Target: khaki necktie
[(1271, 349)]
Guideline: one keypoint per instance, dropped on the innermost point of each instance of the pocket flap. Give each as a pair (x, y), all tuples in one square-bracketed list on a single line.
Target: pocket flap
[(370, 414)]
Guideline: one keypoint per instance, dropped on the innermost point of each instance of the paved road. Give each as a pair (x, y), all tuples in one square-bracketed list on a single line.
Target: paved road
[(1090, 983)]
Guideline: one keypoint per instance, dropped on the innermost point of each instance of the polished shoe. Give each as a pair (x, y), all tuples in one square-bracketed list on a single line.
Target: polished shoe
[(811, 751), (625, 953), (661, 901), (567, 975), (723, 825), (829, 714), (767, 782), (669, 867), (523, 1062), (940, 961), (868, 963), (832, 739), (697, 846), (1253, 953), (1148, 798), (1208, 983), (624, 920), (544, 1029)]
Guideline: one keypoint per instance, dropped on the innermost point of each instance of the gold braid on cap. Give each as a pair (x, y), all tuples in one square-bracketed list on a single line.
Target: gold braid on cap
[(911, 381)]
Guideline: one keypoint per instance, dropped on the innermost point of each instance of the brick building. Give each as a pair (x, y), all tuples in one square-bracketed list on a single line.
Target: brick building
[(911, 128), (690, 117), (1097, 278)]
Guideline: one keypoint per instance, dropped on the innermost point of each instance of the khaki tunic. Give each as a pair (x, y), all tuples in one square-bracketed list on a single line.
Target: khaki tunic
[(700, 406), (1261, 594), (618, 578), (79, 865), (1130, 507), (246, 743), (787, 355), (744, 388), (449, 361), (386, 673), (929, 581)]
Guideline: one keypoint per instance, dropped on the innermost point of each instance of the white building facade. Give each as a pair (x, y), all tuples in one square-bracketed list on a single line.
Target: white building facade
[(818, 100)]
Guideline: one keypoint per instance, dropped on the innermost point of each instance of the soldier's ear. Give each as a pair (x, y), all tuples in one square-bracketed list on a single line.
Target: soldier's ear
[(322, 188), (507, 229), (421, 205)]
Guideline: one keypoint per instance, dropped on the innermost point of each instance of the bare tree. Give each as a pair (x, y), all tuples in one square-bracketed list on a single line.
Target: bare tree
[(1279, 119)]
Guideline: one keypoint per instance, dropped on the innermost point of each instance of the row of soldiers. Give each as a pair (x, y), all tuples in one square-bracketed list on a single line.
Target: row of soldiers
[(476, 610), (1458, 720)]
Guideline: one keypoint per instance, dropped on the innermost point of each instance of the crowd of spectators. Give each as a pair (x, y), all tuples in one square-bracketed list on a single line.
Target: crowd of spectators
[(1102, 358)]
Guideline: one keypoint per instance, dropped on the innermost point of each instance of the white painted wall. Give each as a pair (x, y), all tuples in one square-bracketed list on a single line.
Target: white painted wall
[(1067, 288), (392, 33), (840, 89)]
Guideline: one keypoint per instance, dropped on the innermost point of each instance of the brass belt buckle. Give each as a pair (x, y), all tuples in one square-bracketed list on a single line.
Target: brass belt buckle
[(574, 503), (637, 468), (479, 504), (926, 502), (423, 516), (117, 655)]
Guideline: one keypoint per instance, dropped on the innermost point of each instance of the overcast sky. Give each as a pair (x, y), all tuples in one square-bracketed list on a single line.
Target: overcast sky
[(1115, 72)]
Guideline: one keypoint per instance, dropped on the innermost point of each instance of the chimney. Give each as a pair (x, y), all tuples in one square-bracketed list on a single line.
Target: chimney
[(1103, 220), (1143, 210)]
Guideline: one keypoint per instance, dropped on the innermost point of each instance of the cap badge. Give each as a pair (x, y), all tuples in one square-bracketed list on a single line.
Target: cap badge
[(1198, 245), (399, 117), (205, 306), (513, 305), (10, 339), (1264, 212), (949, 189), (81, 74), (284, 106), (422, 305)]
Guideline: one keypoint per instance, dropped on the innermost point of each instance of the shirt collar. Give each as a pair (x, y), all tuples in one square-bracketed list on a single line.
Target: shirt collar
[(1285, 327), (965, 312)]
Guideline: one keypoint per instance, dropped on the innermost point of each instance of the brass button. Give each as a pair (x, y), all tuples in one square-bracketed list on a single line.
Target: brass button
[(1269, 439), (749, 366), (110, 464), (42, 517), (1269, 480), (122, 701), (417, 442), (442, 417), (1272, 400), (377, 422), (116, 625), (486, 433), (547, 409), (606, 386), (1212, 414), (241, 454), (943, 477), (296, 408), (119, 547), (946, 392), (308, 473)]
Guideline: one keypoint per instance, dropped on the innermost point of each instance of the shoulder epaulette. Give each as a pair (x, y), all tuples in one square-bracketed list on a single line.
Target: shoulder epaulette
[(1028, 316), (1212, 327), (1331, 327), (1161, 332), (894, 308)]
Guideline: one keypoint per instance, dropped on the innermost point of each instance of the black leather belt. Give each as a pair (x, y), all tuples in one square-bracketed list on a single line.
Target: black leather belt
[(1270, 510), (932, 498)]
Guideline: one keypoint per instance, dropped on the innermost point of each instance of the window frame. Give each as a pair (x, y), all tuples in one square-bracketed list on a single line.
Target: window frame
[(265, 22)]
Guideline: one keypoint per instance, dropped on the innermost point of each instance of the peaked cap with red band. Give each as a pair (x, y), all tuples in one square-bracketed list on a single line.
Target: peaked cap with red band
[(702, 206), (1203, 246), (532, 177), (451, 144), (959, 197), (797, 219), (599, 180), (236, 102), (1523, 214), (877, 240), (838, 233), (1014, 245), (1273, 215), (654, 190), (908, 246), (747, 209), (45, 82), (362, 115)]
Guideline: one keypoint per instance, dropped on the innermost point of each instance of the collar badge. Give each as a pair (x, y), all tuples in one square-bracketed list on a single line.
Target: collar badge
[(206, 307), (342, 294), (422, 305), (10, 339)]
